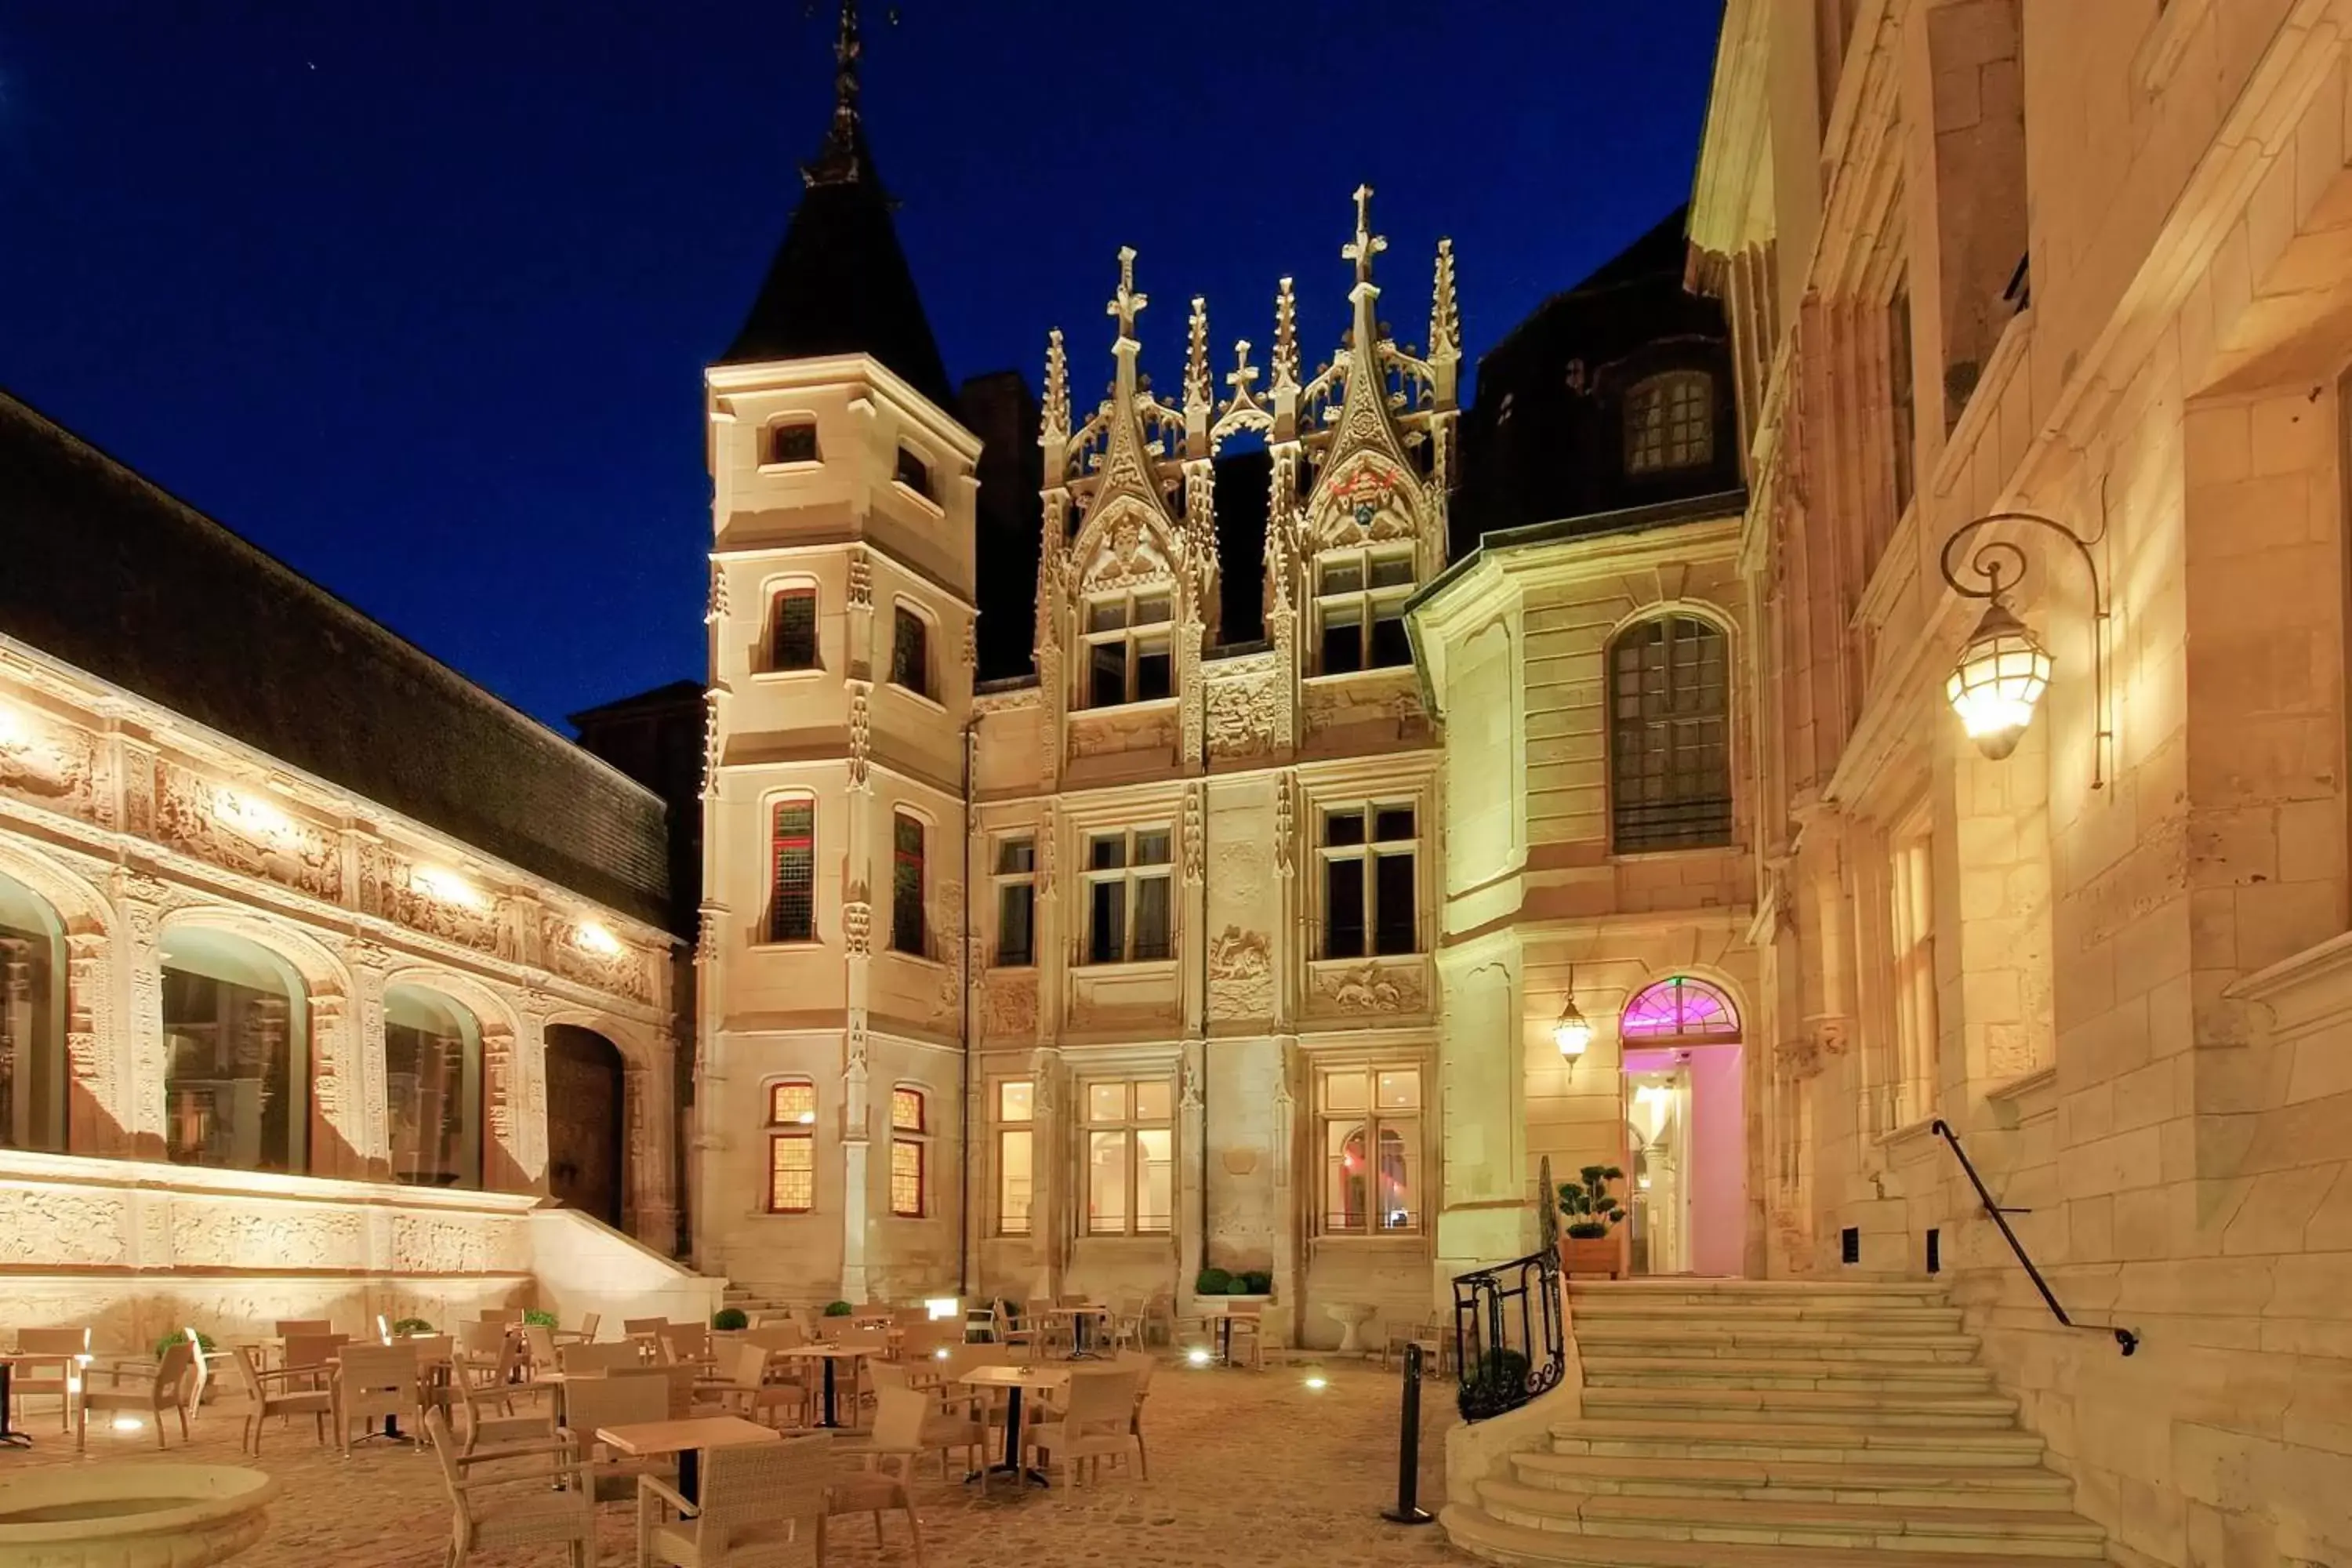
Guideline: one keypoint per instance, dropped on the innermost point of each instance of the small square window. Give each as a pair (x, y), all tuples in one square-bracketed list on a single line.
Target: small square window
[(793, 443), (1153, 1101), (1015, 856), (914, 473), (1344, 828), (1151, 847), (1106, 1102), (792, 1104), (907, 1110), (1017, 1099), (1399, 1090), (1390, 823), (1108, 853)]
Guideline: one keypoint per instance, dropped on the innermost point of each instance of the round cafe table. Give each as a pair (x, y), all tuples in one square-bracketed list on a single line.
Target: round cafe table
[(1014, 1380)]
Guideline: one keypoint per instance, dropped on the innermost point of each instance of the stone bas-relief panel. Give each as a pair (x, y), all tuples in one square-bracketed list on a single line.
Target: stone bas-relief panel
[(1241, 974), (624, 971), (1120, 731), (1351, 702), (227, 1234), (458, 1244), (1010, 1004), (1241, 716), (1373, 987), (202, 818), (54, 765), (1138, 999), (47, 1228)]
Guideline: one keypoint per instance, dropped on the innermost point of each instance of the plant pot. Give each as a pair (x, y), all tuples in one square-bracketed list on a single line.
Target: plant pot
[(1592, 1255)]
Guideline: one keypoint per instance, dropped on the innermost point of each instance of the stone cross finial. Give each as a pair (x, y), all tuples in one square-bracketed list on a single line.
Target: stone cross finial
[(1366, 245), (1243, 375), (1127, 304)]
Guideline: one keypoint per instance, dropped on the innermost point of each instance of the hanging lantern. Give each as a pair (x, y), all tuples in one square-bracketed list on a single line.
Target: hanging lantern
[(2001, 674), (1571, 1034)]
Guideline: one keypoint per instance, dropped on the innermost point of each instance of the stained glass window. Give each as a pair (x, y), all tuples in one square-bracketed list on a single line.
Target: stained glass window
[(792, 1147), (906, 1178), (907, 886), (793, 644), (1678, 1007), (792, 906)]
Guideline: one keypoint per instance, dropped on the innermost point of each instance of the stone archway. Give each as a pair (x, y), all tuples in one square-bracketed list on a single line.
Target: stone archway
[(586, 1112)]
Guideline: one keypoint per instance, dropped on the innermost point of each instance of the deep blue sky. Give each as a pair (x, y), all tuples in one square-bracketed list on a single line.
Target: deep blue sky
[(417, 296)]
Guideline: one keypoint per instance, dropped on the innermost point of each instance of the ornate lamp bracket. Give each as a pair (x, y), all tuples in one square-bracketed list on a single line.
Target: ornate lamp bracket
[(1994, 567)]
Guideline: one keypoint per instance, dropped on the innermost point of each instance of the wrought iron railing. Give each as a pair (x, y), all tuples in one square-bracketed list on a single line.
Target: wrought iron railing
[(2126, 1340), (1509, 1342)]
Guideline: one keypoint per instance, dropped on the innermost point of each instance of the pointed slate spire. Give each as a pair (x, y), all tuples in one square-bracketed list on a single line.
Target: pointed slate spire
[(839, 284)]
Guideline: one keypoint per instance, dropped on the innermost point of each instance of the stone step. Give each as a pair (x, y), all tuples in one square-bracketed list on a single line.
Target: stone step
[(1771, 1340), (1762, 1291), (1839, 1527), (1803, 1405), (1772, 1440), (1606, 1371), (1491, 1539), (1842, 1314), (1797, 1480)]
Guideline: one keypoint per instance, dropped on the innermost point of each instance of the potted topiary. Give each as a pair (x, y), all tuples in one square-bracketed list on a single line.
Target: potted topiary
[(727, 1319), (1212, 1282), (838, 1309), (406, 1327), (538, 1318), (1592, 1212)]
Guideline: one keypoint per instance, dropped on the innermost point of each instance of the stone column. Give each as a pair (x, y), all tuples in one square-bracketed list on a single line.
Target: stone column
[(94, 1091), (140, 1111), (337, 1089), (1048, 1164), (651, 1193), (368, 1097)]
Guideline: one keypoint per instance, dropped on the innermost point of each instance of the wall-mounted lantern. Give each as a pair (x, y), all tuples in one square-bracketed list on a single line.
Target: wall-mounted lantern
[(2003, 670)]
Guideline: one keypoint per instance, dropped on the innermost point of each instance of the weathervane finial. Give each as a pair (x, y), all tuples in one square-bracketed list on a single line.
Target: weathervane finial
[(842, 160)]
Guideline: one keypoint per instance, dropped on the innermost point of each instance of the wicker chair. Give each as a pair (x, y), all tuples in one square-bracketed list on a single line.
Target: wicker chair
[(899, 1416), (1095, 1423), (266, 1393), (488, 1421), (374, 1382), (147, 1388), (746, 1390), (61, 1349), (948, 1421), (1140, 1363), (289, 1328), (586, 1333), (514, 1505), (587, 1361), (306, 1357), (620, 1399), (761, 1504)]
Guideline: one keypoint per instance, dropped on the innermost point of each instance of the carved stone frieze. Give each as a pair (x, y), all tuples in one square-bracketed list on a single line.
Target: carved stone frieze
[(202, 818), (857, 927), (861, 580), (454, 1244), (1241, 717), (227, 1234), (620, 969), (51, 763), (486, 924), (1195, 862), (1010, 1004), (1285, 825), (713, 744), (52, 1228), (1241, 974), (861, 736), (1116, 731), (1371, 987)]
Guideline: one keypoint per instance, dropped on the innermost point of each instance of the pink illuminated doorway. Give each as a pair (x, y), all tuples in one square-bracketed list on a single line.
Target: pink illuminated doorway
[(1686, 1129)]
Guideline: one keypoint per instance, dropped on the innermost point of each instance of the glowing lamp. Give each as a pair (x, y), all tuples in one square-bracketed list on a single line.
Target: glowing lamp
[(942, 1306), (1198, 1355), (1316, 1382), (128, 1424), (1572, 1033), (2001, 674), (447, 887), (593, 938)]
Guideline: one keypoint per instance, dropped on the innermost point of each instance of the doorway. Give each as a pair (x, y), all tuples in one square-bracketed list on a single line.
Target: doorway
[(1686, 1130), (584, 1108)]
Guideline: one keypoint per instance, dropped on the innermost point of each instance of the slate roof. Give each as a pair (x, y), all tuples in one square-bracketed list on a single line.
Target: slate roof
[(107, 572)]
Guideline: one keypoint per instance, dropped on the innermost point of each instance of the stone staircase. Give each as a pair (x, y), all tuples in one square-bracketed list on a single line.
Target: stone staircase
[(1778, 1424)]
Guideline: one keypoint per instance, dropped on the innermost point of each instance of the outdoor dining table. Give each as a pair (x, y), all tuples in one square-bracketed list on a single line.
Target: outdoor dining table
[(1080, 1316), (830, 1354), (1014, 1380), (687, 1439)]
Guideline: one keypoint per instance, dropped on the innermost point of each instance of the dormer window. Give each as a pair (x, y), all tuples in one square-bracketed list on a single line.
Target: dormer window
[(795, 441), (1670, 423), (910, 652), (914, 473), (1360, 596), (1128, 648)]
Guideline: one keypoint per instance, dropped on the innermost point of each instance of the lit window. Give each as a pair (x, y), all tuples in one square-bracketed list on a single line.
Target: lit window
[(907, 926), (1670, 747), (791, 1146), (1127, 898), (237, 1066), (1670, 423), (33, 1061), (910, 652), (1128, 657), (1016, 902), (792, 442), (1910, 902), (1016, 1106), (1130, 1157), (1370, 1120), (1370, 888), (909, 1147), (792, 899), (914, 473), (1677, 1009), (1360, 597), (433, 1068), (792, 635)]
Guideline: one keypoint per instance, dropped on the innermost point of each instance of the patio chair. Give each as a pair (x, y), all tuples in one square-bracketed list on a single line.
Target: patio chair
[(587, 1361), (287, 1327), (1247, 1337), (898, 1435), (488, 1421), (60, 1348), (688, 1343), (263, 1394), (948, 1419), (1127, 1323), (306, 1357), (1095, 1423), (586, 1333), (374, 1382), (1140, 1363), (620, 1399), (758, 1499), (147, 1388), (515, 1505), (784, 1336), (501, 1315), (1010, 1329), (745, 1390), (539, 1348)]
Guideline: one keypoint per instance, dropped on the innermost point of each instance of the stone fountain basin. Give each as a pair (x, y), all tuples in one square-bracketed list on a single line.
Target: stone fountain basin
[(132, 1515)]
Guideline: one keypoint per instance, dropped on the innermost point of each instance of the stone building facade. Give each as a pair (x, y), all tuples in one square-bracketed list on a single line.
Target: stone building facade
[(292, 922), (2086, 262)]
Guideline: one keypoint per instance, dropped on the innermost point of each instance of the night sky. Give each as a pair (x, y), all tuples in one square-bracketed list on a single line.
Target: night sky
[(416, 297)]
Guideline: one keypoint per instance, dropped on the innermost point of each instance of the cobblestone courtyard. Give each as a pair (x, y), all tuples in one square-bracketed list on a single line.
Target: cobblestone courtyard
[(1251, 1468)]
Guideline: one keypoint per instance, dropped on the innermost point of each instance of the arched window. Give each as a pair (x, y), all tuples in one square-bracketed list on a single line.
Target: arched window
[(792, 888), (1679, 1008), (433, 1088), (1670, 422), (1670, 735), (791, 1146), (32, 1021), (236, 1073)]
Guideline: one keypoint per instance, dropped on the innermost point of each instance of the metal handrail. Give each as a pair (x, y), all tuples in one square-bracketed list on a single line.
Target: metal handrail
[(2126, 1340), (1500, 1364)]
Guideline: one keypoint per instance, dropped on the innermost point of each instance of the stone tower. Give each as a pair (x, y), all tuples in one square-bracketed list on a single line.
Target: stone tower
[(841, 636)]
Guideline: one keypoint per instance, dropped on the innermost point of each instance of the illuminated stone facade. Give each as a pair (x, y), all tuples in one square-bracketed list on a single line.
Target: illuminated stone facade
[(2088, 261)]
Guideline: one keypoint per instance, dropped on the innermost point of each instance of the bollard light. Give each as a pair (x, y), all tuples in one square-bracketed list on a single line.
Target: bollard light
[(1316, 1382), (1198, 1355)]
